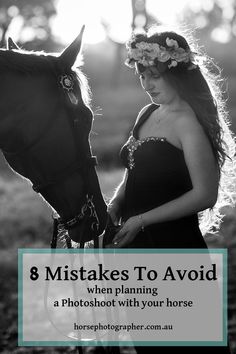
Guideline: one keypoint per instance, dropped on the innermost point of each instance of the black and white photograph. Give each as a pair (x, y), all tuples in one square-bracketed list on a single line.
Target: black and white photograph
[(118, 148)]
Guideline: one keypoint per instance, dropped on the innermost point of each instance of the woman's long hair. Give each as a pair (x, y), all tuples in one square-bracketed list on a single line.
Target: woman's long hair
[(201, 88)]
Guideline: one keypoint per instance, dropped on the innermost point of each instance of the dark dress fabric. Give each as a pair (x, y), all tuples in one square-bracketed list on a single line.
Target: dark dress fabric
[(157, 174)]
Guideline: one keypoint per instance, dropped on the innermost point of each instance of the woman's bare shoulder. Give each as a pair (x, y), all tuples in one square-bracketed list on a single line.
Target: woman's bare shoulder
[(190, 133), (186, 121)]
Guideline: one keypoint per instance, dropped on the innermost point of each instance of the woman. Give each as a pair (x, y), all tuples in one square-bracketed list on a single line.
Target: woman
[(178, 158)]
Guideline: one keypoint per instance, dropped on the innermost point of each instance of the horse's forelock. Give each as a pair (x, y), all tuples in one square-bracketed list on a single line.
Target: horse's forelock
[(84, 86)]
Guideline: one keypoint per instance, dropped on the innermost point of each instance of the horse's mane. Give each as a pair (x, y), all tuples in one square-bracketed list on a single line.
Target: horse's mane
[(38, 62), (26, 62)]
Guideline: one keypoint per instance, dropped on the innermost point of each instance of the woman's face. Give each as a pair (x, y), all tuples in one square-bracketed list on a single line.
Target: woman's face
[(159, 90)]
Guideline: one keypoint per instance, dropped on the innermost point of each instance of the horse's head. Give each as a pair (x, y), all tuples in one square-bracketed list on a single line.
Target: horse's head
[(45, 121)]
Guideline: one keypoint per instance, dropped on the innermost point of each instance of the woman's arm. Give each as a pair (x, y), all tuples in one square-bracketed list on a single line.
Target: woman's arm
[(203, 172), (115, 204), (204, 175)]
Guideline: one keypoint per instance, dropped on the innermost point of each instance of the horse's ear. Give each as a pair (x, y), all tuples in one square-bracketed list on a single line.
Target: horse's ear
[(69, 55), (11, 44)]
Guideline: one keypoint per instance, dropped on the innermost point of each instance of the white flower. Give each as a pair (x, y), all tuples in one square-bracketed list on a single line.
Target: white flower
[(144, 62), (144, 46), (134, 54), (180, 55), (146, 53), (156, 48), (164, 55), (173, 63), (172, 43)]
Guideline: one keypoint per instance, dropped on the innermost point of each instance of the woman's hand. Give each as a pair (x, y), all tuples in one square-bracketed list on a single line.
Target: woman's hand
[(127, 233)]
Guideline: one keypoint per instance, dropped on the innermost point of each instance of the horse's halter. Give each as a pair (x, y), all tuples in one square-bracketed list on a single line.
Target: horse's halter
[(67, 83)]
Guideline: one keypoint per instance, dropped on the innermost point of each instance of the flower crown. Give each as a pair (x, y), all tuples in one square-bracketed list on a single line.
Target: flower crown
[(148, 54)]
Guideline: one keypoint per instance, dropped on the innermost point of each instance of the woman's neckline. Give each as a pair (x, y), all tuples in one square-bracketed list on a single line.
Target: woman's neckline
[(161, 139), (143, 118)]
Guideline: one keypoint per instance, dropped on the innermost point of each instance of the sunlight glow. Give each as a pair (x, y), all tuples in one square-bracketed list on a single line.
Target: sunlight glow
[(221, 34), (166, 11), (72, 14), (115, 16)]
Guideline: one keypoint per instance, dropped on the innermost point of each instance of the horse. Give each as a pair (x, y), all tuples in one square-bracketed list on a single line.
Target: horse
[(45, 122)]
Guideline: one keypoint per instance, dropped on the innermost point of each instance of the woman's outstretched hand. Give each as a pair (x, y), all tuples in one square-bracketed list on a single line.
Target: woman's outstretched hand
[(127, 233)]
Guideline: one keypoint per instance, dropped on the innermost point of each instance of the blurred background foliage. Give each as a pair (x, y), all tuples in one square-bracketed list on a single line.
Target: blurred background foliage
[(50, 25), (35, 26)]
